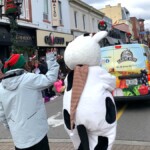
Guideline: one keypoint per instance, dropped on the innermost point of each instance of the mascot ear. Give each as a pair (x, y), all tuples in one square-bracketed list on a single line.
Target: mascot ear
[(99, 36)]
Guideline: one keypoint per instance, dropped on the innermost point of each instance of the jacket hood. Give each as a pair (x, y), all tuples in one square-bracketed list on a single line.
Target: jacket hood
[(12, 79)]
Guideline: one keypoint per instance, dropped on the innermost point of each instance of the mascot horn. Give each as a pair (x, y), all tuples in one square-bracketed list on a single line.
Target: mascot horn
[(89, 110)]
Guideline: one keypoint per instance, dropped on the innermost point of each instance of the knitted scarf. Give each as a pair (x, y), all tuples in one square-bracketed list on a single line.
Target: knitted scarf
[(79, 80)]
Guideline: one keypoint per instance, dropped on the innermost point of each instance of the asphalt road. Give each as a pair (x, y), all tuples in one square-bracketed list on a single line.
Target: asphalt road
[(134, 124), (133, 121)]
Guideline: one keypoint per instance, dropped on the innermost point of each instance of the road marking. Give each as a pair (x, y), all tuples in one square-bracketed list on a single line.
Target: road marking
[(52, 121), (120, 112)]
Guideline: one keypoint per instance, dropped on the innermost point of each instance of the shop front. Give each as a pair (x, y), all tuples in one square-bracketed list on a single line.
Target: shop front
[(25, 42), (52, 41)]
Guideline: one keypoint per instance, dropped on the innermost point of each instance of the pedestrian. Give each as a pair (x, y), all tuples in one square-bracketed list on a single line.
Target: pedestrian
[(39, 67), (52, 93), (59, 87), (22, 110), (43, 62), (36, 68), (60, 60)]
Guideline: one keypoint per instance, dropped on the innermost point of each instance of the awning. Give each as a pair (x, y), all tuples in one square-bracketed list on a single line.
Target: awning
[(122, 27)]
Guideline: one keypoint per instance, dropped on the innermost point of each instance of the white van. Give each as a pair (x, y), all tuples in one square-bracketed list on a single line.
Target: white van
[(130, 63)]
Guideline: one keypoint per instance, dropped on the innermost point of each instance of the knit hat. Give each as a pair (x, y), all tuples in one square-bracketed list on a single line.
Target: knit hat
[(14, 62)]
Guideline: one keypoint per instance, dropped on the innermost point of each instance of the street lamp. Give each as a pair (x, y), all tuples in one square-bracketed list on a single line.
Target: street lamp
[(12, 12)]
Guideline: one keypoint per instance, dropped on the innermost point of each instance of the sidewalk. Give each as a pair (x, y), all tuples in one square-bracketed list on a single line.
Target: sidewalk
[(65, 144)]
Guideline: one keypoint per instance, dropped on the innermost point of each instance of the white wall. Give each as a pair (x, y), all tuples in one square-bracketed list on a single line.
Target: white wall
[(89, 17), (37, 16)]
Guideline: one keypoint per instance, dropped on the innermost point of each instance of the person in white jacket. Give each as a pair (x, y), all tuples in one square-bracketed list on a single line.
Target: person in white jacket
[(22, 110)]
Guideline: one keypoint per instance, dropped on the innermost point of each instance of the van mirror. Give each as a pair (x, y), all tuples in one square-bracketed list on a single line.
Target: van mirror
[(145, 54)]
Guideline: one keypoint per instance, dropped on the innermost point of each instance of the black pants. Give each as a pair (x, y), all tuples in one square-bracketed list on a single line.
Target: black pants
[(42, 145)]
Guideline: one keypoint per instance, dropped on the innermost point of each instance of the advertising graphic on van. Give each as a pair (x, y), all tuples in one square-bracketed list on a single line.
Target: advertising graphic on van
[(126, 55), (126, 59), (130, 63)]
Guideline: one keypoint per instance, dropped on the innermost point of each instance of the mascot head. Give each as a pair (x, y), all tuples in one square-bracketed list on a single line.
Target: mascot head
[(84, 50)]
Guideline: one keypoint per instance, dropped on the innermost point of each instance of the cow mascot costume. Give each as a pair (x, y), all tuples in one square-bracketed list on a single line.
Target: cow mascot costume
[(88, 106)]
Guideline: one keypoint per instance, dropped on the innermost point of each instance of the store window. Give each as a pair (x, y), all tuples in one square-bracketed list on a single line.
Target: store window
[(75, 19), (93, 24), (45, 13), (60, 12), (84, 22), (25, 10)]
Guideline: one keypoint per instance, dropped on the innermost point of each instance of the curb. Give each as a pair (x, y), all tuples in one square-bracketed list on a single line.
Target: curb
[(132, 143), (117, 142), (50, 141)]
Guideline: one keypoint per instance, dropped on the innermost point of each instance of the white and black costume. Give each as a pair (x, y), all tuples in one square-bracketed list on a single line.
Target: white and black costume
[(95, 117)]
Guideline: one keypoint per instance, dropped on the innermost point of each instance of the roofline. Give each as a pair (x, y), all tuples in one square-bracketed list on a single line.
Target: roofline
[(85, 5)]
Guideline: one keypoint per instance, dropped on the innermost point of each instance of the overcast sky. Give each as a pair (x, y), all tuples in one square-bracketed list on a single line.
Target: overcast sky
[(137, 8)]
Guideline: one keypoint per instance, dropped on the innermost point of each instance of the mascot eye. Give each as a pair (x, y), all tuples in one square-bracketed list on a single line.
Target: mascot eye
[(86, 34)]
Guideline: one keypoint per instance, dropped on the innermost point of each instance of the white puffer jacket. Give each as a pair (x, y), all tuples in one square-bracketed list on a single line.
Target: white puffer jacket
[(21, 105)]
